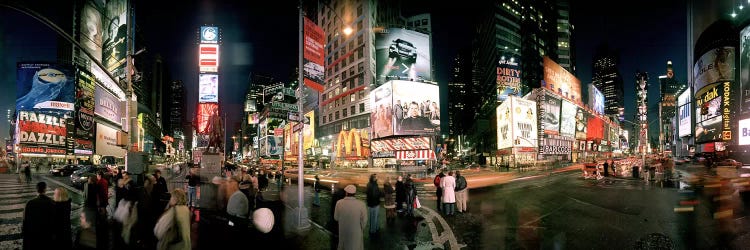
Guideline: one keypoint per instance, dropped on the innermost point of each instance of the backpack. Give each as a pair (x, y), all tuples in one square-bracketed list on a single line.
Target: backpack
[(460, 183), (436, 181)]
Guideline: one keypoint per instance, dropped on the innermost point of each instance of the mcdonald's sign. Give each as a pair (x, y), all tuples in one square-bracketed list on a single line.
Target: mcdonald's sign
[(353, 143)]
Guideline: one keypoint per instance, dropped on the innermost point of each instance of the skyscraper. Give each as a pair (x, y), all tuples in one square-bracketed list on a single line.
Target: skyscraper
[(458, 93), (669, 86), (607, 78), (174, 125)]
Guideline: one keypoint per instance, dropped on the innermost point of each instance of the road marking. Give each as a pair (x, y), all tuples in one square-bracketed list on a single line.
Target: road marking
[(447, 234), (71, 189), (683, 209)]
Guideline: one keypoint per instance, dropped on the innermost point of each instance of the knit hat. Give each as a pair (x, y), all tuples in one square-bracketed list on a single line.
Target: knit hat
[(350, 189)]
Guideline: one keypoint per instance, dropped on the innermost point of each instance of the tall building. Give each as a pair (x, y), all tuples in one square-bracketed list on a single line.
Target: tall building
[(458, 93), (565, 56), (669, 87), (607, 78), (176, 105)]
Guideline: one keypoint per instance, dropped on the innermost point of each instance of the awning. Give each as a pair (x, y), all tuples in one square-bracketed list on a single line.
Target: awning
[(415, 155)]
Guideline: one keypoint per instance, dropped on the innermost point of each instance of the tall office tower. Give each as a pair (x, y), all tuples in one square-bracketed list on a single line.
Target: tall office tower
[(668, 105), (607, 78), (176, 107), (565, 46)]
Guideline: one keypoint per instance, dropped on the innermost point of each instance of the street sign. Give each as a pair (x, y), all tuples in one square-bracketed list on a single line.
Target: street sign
[(284, 106), (297, 127), (294, 116)]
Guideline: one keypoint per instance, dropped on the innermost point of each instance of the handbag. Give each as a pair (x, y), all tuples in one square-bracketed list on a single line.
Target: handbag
[(122, 213), (416, 202)]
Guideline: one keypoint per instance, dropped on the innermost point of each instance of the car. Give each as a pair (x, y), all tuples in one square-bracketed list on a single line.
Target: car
[(64, 170), (404, 49), (80, 176), (727, 163)]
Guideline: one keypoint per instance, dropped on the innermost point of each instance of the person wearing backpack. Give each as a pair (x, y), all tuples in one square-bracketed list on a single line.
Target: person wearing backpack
[(439, 190), (462, 193)]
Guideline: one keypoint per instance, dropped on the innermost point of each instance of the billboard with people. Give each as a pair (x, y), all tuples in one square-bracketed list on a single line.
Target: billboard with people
[(405, 108)]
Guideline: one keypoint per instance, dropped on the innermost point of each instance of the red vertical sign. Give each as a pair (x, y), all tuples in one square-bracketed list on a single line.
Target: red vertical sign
[(314, 55)]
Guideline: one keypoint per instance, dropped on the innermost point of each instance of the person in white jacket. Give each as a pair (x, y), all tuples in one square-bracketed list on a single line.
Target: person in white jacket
[(448, 183)]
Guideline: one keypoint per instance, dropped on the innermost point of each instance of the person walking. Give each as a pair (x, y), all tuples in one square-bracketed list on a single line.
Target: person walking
[(316, 190), (400, 194), (193, 181), (351, 216), (462, 192), (64, 237), (448, 183), (102, 201), (27, 172), (606, 168), (411, 195), (238, 204), (38, 213), (173, 228), (439, 189), (373, 203), (389, 201), (160, 191)]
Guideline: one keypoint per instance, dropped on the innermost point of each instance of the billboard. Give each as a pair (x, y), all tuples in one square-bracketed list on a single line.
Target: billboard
[(397, 144), (683, 104), (45, 87), (208, 88), (568, 119), (45, 133), (204, 114), (402, 54), (353, 144), (308, 131), (250, 105), (91, 33), (508, 78), (560, 81), (524, 122), (209, 34), (208, 58), (115, 35), (253, 118), (581, 116), (108, 106), (549, 113), (745, 70), (714, 66), (420, 103), (314, 55), (710, 122), (743, 132), (106, 141), (595, 128), (596, 100), (382, 121), (84, 114)]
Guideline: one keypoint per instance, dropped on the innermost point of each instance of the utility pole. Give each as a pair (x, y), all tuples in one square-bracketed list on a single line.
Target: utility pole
[(302, 222)]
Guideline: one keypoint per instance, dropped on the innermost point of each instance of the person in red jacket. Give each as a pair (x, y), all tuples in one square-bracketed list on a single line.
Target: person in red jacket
[(102, 200)]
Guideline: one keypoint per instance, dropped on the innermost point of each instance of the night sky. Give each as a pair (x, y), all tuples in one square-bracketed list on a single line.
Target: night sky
[(263, 39)]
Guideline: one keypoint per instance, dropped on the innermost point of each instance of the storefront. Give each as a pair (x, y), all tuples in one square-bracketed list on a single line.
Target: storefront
[(351, 149), (412, 151)]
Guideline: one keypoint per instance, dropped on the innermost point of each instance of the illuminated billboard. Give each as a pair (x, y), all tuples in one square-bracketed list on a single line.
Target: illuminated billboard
[(596, 100), (581, 117), (108, 106), (209, 34), (549, 113), (115, 36), (714, 66), (314, 55), (84, 114), (45, 133), (595, 128), (106, 141), (45, 87), (402, 54), (204, 115), (524, 122), (743, 132), (352, 144), (504, 125), (560, 81), (712, 109), (508, 78), (683, 104), (208, 88), (745, 70), (421, 107), (91, 29), (568, 119), (208, 57), (382, 122), (308, 131)]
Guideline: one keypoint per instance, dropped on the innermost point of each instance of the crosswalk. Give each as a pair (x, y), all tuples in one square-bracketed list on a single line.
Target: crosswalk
[(13, 197)]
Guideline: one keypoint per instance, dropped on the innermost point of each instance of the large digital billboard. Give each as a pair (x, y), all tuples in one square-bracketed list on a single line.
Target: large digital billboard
[(568, 119), (743, 132), (596, 100), (208, 58), (106, 141), (421, 107), (714, 66), (205, 112), (508, 78), (44, 133), (381, 120), (524, 122), (314, 55), (684, 109), (560, 81), (45, 87), (402, 54), (209, 34), (581, 117), (708, 113), (108, 106), (91, 30), (745, 70), (504, 125), (595, 128), (208, 88), (115, 35), (549, 113), (84, 114)]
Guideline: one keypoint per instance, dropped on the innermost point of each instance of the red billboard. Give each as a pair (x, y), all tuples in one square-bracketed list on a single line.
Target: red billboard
[(205, 112), (595, 128), (208, 57), (314, 55)]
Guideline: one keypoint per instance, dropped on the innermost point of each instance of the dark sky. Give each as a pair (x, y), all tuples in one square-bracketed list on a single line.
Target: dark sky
[(262, 37)]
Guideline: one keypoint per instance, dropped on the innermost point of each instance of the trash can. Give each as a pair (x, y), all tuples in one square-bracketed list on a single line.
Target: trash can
[(636, 174)]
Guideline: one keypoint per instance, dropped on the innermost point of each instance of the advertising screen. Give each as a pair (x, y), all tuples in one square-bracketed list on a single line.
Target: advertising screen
[(743, 131), (208, 88), (115, 35), (508, 78), (251, 106), (45, 87), (714, 66), (382, 121), (208, 58), (712, 120), (581, 116), (596, 100), (209, 34), (205, 112), (684, 109), (91, 29), (106, 141), (253, 118), (352, 144), (745, 70), (314, 55), (549, 113), (402, 54), (595, 128), (504, 127), (524, 122), (84, 114), (308, 131), (398, 144), (420, 103), (108, 106), (560, 81), (44, 133), (568, 119)]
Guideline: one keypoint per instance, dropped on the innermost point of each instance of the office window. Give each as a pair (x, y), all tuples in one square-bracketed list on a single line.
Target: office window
[(337, 115), (330, 117), (344, 115), (352, 98), (360, 52), (361, 94), (351, 84), (351, 109), (324, 119), (361, 107), (343, 75), (360, 10)]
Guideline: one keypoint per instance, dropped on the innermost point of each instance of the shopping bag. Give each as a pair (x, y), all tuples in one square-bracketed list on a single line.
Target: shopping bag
[(416, 202)]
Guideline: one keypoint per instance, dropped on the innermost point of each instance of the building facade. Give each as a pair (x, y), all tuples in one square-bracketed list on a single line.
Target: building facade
[(607, 78)]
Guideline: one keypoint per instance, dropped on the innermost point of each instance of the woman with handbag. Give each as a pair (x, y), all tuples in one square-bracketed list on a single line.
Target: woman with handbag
[(173, 228)]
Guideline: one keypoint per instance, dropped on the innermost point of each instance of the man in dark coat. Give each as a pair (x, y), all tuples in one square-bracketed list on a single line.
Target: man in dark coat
[(400, 194), (37, 216)]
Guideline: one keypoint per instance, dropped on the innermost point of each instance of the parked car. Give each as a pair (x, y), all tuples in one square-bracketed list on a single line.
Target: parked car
[(727, 163), (80, 176), (64, 170), (404, 49)]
